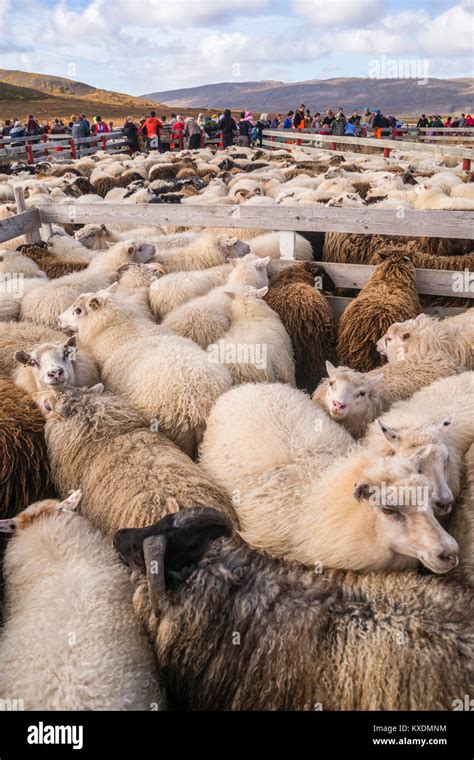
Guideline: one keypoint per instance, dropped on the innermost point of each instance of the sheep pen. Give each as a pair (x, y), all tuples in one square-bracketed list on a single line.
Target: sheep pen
[(221, 378)]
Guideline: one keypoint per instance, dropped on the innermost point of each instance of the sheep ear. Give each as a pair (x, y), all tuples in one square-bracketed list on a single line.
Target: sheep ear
[(390, 434), (156, 267), (97, 388), (233, 262), (230, 293), (262, 292), (94, 303), (46, 402), (103, 228), (112, 288), (8, 526), (375, 379), (330, 368), (109, 244), (232, 240), (23, 357), (421, 317), (71, 342), (361, 491), (71, 503), (419, 455), (405, 335)]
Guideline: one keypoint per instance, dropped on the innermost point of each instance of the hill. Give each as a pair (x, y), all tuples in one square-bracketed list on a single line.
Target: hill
[(399, 96), (48, 97)]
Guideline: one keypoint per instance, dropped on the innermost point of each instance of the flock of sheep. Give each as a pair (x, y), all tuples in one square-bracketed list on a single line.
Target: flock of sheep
[(290, 495)]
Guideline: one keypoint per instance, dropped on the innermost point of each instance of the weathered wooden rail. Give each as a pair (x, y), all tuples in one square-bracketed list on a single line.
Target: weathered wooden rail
[(284, 138), (288, 220), (33, 149)]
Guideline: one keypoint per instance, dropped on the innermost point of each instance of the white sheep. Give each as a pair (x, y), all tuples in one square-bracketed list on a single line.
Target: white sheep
[(19, 275), (205, 251), (177, 288), (164, 376), (257, 347), (54, 366), (57, 295), (296, 496), (67, 248), (69, 611), (269, 245), (453, 336), (206, 318)]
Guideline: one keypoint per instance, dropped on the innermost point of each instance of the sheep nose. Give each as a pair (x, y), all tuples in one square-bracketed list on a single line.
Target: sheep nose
[(338, 405), (448, 558), (56, 373), (444, 507)]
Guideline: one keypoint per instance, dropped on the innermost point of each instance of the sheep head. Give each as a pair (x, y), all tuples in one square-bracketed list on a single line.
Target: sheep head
[(400, 500), (40, 509), (52, 363)]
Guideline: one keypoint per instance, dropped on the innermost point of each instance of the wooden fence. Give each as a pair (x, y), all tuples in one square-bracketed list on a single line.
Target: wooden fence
[(288, 220), (288, 138), (34, 149)]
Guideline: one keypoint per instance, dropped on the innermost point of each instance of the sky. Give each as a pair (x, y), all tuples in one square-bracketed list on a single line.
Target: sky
[(142, 46)]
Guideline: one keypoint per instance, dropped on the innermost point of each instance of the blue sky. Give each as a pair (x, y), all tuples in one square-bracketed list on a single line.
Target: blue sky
[(155, 45)]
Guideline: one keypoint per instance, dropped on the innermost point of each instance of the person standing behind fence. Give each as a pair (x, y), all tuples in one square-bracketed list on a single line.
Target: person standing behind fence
[(228, 128), (329, 118), (193, 133), (245, 130), (131, 133), (262, 123), (77, 130), (276, 121), (338, 124), (87, 125), (288, 123), (99, 127), (316, 121), (298, 120), (7, 128), (151, 129), (200, 121), (32, 126)]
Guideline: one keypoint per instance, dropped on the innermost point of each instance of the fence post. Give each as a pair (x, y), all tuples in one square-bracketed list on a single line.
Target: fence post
[(466, 164), (288, 245), (386, 152), (30, 237), (104, 144), (202, 138), (73, 148), (180, 141), (29, 153), (333, 146), (221, 141)]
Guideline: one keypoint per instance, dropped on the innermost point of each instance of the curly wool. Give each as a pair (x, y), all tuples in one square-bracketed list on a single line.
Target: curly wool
[(50, 264), (389, 296), (307, 641), (461, 523), (24, 467), (129, 474), (349, 248), (63, 579), (308, 320)]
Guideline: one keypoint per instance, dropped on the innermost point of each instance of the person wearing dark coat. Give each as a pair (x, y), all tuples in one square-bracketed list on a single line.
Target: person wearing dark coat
[(131, 133), (228, 128)]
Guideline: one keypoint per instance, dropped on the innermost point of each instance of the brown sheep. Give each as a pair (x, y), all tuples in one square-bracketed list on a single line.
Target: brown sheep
[(50, 265), (102, 185), (348, 248), (24, 468), (129, 473), (80, 186), (389, 296), (307, 317), (237, 630)]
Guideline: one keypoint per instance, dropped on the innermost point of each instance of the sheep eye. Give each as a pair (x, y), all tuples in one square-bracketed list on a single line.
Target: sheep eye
[(387, 340), (331, 383), (361, 394), (77, 311), (388, 510)]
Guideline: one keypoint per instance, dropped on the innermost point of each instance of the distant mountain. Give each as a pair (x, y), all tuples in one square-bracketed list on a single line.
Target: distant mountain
[(398, 96), (9, 92)]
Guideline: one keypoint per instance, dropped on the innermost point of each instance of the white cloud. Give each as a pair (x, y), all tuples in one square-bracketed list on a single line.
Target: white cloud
[(339, 12)]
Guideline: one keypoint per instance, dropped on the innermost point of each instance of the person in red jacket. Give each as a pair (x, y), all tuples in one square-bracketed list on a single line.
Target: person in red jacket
[(469, 120), (99, 127), (151, 129)]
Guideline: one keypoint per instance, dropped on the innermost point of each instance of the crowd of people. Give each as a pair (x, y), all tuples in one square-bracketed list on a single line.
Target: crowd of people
[(152, 132)]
